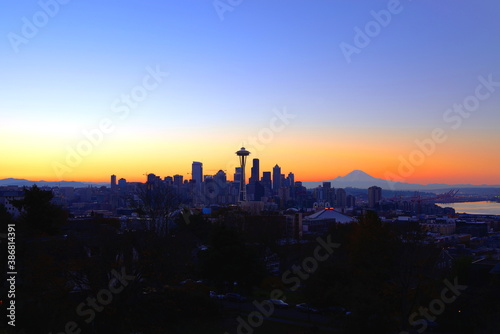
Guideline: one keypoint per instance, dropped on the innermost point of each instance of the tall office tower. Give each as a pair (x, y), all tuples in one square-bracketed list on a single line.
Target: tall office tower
[(266, 182), (220, 180), (254, 178), (254, 172), (242, 155), (350, 201), (220, 177), (122, 184), (113, 181), (178, 181), (326, 192), (374, 196), (291, 179), (276, 178), (237, 174), (197, 174), (259, 191), (168, 180), (341, 198)]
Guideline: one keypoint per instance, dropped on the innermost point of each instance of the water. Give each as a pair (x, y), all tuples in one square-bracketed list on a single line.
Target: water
[(478, 208)]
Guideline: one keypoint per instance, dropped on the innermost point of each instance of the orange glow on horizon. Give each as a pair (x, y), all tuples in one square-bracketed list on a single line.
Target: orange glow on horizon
[(166, 155)]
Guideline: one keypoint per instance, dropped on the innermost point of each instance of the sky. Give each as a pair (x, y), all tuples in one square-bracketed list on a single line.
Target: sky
[(403, 90)]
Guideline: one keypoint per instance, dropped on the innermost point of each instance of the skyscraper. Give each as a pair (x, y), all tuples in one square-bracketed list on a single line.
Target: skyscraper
[(168, 180), (341, 198), (122, 184), (276, 178), (255, 172), (374, 196), (253, 180), (220, 177), (350, 201), (178, 181), (328, 193), (266, 183), (113, 181), (197, 174), (237, 174)]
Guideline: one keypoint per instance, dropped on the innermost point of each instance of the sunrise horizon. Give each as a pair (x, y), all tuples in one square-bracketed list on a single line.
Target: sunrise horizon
[(332, 88)]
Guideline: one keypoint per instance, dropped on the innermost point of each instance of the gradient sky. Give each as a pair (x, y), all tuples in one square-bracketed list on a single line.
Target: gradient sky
[(228, 78)]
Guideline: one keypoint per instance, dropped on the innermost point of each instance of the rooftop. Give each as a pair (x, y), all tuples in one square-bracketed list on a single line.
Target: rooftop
[(329, 214)]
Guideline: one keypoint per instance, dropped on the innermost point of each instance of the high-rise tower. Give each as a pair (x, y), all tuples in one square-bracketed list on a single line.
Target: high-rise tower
[(254, 175), (276, 178), (197, 174), (243, 154), (374, 196)]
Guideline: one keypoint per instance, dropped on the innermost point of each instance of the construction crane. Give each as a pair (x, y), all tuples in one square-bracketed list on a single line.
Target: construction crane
[(443, 198)]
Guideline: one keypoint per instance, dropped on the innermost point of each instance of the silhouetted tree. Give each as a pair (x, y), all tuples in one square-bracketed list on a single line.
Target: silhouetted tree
[(38, 213), (157, 201), (372, 248), (5, 219), (228, 259)]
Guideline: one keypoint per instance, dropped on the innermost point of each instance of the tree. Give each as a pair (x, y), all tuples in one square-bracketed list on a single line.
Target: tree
[(228, 259), (38, 213), (158, 201), (5, 219)]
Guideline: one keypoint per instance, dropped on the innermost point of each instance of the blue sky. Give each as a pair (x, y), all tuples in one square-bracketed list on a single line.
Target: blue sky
[(263, 55)]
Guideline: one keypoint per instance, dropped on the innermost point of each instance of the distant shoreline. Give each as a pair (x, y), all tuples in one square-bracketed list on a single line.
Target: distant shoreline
[(483, 208)]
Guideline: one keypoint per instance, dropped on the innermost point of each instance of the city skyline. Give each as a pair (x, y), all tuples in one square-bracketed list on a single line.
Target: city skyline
[(398, 89)]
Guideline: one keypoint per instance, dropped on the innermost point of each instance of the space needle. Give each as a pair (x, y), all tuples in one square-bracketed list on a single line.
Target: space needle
[(243, 154)]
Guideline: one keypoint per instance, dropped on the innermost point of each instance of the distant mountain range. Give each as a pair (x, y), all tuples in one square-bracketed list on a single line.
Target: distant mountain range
[(360, 179), (28, 183)]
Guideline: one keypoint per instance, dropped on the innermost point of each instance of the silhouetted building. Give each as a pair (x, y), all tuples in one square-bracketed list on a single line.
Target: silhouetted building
[(254, 178), (328, 193), (113, 181), (220, 178), (178, 180), (276, 178), (255, 171), (291, 179), (350, 201), (322, 220), (197, 174), (168, 180), (267, 183), (259, 191), (341, 198), (242, 155), (220, 183), (374, 196), (122, 184), (237, 174)]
